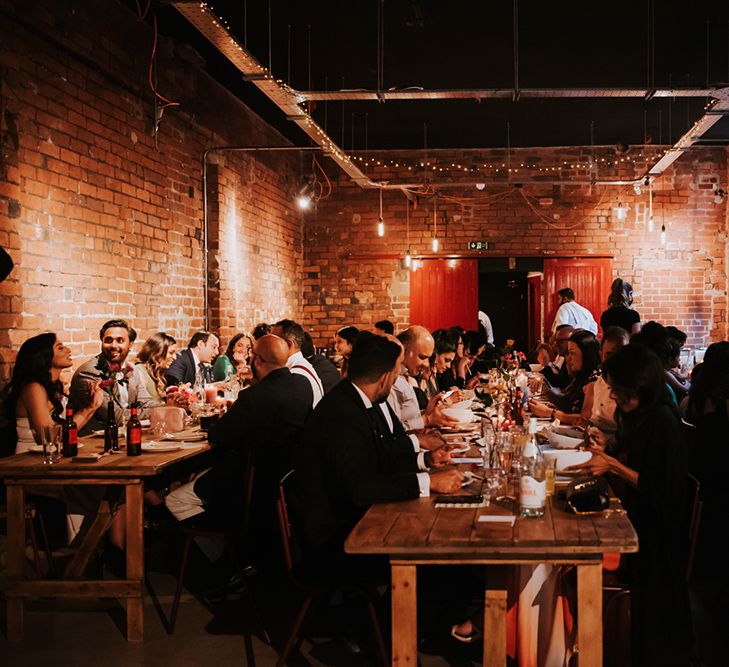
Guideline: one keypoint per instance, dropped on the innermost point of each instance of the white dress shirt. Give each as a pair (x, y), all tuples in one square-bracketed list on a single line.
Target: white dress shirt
[(577, 316), (423, 477), (485, 322), (298, 364)]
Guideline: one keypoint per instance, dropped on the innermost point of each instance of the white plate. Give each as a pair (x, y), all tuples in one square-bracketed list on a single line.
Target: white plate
[(460, 449), (159, 447), (37, 449), (567, 457)]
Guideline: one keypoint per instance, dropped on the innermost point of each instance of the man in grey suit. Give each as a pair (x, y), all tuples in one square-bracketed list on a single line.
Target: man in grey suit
[(110, 365)]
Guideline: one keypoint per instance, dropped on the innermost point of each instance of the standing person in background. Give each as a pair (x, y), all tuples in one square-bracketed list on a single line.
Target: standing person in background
[(236, 360), (386, 327), (484, 325), (620, 312), (572, 313), (344, 339)]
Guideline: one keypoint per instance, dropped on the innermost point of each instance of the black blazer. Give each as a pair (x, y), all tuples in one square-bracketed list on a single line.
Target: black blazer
[(345, 463), (264, 422), (183, 369)]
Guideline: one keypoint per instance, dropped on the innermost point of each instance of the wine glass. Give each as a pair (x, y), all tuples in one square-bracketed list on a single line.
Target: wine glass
[(51, 436)]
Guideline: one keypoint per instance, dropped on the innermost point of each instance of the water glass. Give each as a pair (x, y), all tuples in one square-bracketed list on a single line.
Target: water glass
[(51, 437)]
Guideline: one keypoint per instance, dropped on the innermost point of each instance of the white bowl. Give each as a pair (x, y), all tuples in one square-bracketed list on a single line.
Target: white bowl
[(560, 441), (463, 416), (461, 405), (567, 457)]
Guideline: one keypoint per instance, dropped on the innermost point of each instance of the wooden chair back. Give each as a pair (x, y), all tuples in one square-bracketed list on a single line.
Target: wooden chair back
[(284, 523)]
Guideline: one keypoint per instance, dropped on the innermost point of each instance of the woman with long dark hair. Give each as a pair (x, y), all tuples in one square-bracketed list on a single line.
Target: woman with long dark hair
[(651, 461), (620, 312), (236, 360), (344, 339), (583, 359), (35, 395)]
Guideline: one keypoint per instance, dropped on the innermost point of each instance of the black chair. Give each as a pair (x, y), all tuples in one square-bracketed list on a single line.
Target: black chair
[(232, 538), (314, 591)]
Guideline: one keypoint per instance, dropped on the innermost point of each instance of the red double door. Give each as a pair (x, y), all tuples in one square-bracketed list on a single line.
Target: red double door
[(444, 292)]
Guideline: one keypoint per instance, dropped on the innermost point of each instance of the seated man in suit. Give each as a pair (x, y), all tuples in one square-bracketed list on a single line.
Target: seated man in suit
[(193, 364), (354, 452), (556, 372), (264, 423)]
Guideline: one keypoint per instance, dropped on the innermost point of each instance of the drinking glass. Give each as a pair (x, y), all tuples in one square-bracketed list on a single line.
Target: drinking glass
[(51, 440), (505, 450)]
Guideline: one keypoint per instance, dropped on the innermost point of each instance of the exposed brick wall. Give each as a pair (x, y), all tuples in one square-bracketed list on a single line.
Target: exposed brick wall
[(102, 222), (354, 277)]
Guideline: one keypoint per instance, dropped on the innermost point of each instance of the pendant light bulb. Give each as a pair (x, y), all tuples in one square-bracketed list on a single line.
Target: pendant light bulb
[(650, 222), (436, 244), (663, 234), (381, 227), (408, 259)]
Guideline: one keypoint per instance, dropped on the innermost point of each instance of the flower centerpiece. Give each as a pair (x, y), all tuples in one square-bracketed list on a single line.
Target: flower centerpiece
[(112, 377)]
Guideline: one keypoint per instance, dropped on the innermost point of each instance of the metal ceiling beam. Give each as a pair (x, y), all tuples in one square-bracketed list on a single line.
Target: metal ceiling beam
[(414, 93), (216, 31)]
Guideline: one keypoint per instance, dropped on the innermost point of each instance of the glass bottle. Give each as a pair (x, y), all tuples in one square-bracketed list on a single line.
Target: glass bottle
[(111, 431), (70, 435), (134, 434), (532, 486)]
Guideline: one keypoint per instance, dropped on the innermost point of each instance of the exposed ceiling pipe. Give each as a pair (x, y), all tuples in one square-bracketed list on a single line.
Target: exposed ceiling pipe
[(216, 30), (417, 93)]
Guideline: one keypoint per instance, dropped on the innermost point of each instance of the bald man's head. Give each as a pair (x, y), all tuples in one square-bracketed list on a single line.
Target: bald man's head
[(269, 354), (419, 346)]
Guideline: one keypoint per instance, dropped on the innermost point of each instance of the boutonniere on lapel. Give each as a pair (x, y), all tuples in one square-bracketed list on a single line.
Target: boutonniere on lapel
[(112, 375)]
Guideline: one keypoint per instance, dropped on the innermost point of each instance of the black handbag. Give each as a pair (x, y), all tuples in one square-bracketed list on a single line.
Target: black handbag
[(588, 494)]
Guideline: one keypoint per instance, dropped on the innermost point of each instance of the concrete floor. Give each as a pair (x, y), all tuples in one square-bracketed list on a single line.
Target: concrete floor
[(70, 633)]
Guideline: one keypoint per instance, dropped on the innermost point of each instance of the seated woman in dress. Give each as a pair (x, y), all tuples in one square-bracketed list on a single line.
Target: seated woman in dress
[(583, 358), (235, 361), (652, 464), (155, 357), (35, 395), (344, 339)]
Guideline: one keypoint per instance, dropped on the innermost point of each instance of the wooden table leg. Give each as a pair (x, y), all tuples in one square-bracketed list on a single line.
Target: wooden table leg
[(404, 615), (494, 635), (589, 613), (135, 559), (16, 557)]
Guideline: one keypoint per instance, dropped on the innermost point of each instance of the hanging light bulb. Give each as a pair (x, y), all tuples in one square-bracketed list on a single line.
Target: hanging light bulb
[(408, 259), (638, 189), (621, 212), (663, 234), (435, 243), (381, 221), (650, 207)]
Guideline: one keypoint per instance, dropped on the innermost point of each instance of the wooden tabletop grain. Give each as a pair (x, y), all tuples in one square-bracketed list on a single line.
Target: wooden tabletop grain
[(30, 465)]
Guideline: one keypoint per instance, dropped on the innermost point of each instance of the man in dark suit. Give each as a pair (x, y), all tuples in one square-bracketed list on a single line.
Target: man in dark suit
[(354, 452), (264, 423), (556, 372), (193, 364)]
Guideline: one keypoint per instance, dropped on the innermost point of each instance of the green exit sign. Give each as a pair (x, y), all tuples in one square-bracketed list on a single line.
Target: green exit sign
[(478, 245)]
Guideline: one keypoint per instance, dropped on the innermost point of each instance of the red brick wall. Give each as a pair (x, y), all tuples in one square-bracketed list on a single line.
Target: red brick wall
[(100, 221), (353, 277)]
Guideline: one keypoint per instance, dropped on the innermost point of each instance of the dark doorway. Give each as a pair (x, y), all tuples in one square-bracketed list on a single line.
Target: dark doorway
[(503, 297)]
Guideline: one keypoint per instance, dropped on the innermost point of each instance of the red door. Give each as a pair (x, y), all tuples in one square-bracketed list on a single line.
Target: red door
[(589, 278), (444, 293)]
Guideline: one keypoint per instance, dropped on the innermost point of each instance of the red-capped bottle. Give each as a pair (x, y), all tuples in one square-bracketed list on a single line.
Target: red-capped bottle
[(70, 435), (134, 434)]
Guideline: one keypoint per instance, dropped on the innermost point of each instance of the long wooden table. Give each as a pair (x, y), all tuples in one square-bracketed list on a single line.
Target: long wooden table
[(27, 470), (416, 533)]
